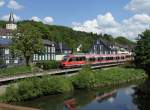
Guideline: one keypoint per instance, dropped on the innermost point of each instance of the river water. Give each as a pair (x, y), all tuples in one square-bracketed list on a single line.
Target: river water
[(124, 97)]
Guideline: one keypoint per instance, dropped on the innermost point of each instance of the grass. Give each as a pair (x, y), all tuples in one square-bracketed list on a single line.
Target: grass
[(14, 70)]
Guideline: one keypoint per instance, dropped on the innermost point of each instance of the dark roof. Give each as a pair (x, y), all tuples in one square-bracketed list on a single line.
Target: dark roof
[(5, 32), (63, 46), (47, 42), (5, 42), (105, 43)]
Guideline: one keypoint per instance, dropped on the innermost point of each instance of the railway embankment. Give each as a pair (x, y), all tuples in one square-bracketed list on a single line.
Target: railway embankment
[(86, 78)]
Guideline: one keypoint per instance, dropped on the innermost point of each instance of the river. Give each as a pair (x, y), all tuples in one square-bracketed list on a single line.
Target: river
[(123, 97)]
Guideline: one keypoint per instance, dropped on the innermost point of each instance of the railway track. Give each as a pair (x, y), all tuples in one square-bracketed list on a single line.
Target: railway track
[(7, 79)]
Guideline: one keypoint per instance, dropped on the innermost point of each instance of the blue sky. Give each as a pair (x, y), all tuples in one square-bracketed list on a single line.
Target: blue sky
[(65, 12), (116, 17)]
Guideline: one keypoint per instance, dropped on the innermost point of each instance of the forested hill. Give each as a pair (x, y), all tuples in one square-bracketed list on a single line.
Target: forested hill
[(70, 37)]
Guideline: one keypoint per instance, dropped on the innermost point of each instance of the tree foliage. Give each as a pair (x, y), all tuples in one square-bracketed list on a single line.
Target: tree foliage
[(142, 51), (124, 41), (27, 41), (70, 37)]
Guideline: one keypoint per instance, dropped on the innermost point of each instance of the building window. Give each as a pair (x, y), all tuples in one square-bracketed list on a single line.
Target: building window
[(49, 50), (53, 49), (16, 61), (46, 49), (53, 56), (40, 57), (7, 61), (36, 57), (43, 57), (49, 57), (46, 57), (6, 51)]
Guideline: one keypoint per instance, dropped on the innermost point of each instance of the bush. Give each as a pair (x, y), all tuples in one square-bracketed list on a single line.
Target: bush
[(29, 88), (34, 87), (85, 79), (11, 94), (54, 85), (45, 65)]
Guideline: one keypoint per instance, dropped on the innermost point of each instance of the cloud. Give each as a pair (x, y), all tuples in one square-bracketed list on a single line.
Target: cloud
[(138, 6), (35, 18), (14, 5), (135, 25), (6, 17), (2, 3), (106, 23), (48, 20)]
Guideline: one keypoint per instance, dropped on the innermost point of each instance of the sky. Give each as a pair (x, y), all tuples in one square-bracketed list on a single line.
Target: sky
[(116, 17)]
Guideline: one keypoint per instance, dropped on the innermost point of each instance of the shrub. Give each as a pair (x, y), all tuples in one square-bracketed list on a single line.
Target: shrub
[(11, 94), (45, 65), (34, 87), (55, 85), (62, 84), (85, 79)]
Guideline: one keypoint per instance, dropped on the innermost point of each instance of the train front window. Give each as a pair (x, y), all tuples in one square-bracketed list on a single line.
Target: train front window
[(65, 58)]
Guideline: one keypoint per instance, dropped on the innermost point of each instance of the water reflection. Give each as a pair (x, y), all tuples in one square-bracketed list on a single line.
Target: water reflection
[(129, 97), (142, 96)]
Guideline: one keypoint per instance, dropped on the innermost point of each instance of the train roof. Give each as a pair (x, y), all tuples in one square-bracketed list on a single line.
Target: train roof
[(95, 55)]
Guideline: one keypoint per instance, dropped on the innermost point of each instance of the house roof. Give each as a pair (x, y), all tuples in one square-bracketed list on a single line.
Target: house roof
[(5, 41), (62, 46), (5, 32), (47, 42), (105, 43)]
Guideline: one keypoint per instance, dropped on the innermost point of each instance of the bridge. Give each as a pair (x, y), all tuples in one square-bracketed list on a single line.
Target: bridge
[(8, 79)]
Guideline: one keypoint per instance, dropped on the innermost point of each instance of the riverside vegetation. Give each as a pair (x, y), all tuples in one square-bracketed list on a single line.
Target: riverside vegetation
[(85, 79)]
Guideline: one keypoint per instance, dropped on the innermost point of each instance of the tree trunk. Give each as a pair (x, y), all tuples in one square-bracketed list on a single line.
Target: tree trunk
[(27, 58)]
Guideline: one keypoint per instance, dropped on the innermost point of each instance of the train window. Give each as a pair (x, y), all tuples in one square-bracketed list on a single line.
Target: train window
[(91, 59), (77, 58), (72, 59), (107, 58), (80, 58), (83, 58), (117, 58), (65, 58), (122, 57), (100, 58)]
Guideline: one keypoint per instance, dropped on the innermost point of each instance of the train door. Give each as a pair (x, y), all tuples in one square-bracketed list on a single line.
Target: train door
[(71, 61)]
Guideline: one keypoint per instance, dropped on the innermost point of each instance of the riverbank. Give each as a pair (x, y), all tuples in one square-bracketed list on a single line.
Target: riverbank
[(86, 79)]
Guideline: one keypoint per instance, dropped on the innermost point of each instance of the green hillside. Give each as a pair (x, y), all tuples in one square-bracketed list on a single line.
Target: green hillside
[(70, 37)]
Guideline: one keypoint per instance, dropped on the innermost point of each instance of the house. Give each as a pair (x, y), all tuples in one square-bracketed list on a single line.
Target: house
[(103, 47), (48, 54)]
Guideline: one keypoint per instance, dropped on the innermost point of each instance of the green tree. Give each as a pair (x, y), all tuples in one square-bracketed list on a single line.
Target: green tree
[(27, 41), (124, 41), (142, 51)]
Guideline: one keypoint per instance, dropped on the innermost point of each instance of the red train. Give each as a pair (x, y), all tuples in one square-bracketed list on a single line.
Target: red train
[(70, 61)]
